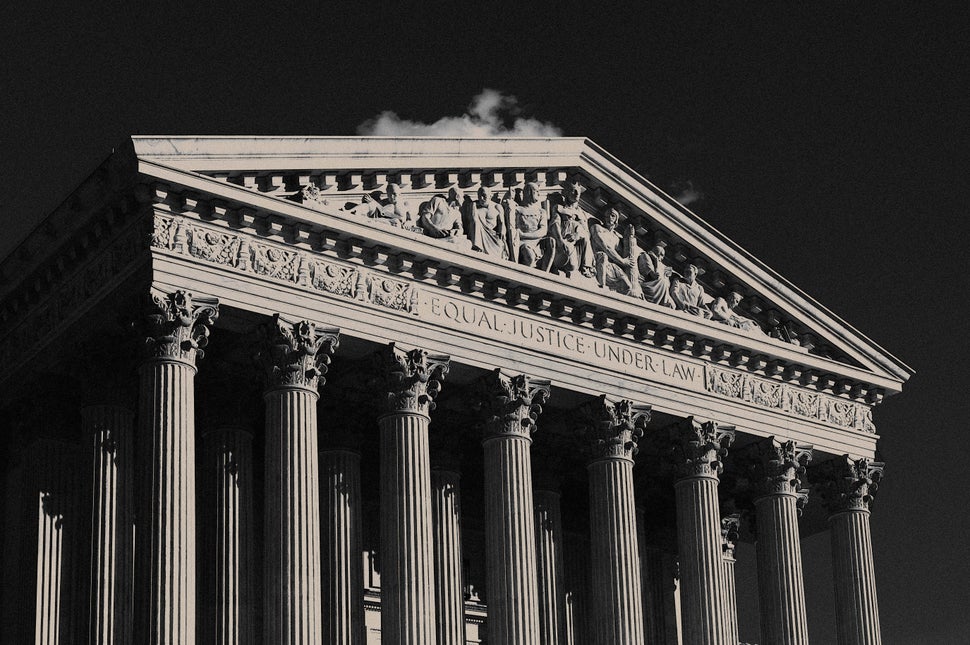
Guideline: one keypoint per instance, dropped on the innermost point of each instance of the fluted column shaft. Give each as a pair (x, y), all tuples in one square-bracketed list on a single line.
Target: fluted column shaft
[(577, 584), (513, 590), (856, 605), (730, 600), (56, 530), (292, 541), (166, 413), (549, 554), (616, 583), (228, 468), (407, 572), (782, 593), (109, 431), (343, 584), (699, 539), (659, 621), (448, 580)]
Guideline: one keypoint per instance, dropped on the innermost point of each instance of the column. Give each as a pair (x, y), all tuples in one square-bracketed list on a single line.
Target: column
[(177, 331), (446, 536), (549, 548), (293, 357), (774, 468), (612, 431), (511, 405), (658, 575), (53, 487), (227, 466), (730, 525), (343, 576), (411, 380), (847, 487), (577, 585), (108, 428), (697, 450)]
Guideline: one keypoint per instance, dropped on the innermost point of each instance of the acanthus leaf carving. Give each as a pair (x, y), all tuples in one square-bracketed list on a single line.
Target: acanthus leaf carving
[(511, 404), (774, 467), (295, 354), (697, 448), (847, 484), (613, 428), (409, 380), (730, 533), (177, 325)]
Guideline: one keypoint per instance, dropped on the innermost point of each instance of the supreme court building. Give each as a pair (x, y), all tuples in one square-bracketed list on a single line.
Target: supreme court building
[(352, 390)]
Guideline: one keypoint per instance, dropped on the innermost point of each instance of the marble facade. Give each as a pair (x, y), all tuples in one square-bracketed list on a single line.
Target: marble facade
[(356, 390)]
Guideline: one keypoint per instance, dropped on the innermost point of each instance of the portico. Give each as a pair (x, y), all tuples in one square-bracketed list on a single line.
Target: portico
[(451, 421)]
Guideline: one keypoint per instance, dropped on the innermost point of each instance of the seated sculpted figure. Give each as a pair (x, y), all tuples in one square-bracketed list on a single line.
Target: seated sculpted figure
[(529, 226), (724, 310), (486, 225), (689, 295), (655, 276), (389, 210), (440, 217), (610, 257), (567, 248)]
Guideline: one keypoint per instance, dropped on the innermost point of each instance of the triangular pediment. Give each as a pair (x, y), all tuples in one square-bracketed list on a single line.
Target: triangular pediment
[(379, 189)]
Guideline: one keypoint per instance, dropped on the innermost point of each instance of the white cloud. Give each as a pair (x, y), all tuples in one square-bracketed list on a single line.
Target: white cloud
[(688, 194), (489, 115)]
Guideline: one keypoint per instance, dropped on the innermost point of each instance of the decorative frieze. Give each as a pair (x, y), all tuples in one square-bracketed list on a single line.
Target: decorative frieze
[(309, 270)]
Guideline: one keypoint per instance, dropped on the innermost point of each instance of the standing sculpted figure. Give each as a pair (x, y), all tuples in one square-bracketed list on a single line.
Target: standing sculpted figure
[(724, 310), (689, 295), (611, 259), (440, 217), (567, 248), (526, 225), (389, 210), (655, 276), (486, 225)]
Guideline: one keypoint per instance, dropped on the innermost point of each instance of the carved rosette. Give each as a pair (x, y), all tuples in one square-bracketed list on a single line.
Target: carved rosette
[(176, 325), (847, 484), (295, 354), (697, 448), (409, 379), (614, 427), (730, 532), (512, 403), (775, 467)]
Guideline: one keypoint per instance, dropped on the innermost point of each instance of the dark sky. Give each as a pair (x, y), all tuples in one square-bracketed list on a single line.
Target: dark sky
[(826, 139)]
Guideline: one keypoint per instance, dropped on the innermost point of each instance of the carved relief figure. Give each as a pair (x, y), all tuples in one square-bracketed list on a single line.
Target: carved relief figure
[(440, 217), (567, 248), (655, 276), (689, 295), (611, 259), (725, 311), (486, 226), (527, 225), (389, 210)]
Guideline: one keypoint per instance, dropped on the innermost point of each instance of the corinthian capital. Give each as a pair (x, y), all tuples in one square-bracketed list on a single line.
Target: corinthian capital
[(295, 354), (409, 379), (176, 325), (697, 448), (847, 484), (614, 427), (730, 532), (774, 467), (512, 403)]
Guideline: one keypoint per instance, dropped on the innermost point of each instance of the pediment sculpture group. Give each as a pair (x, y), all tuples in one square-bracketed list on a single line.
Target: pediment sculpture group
[(558, 235)]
